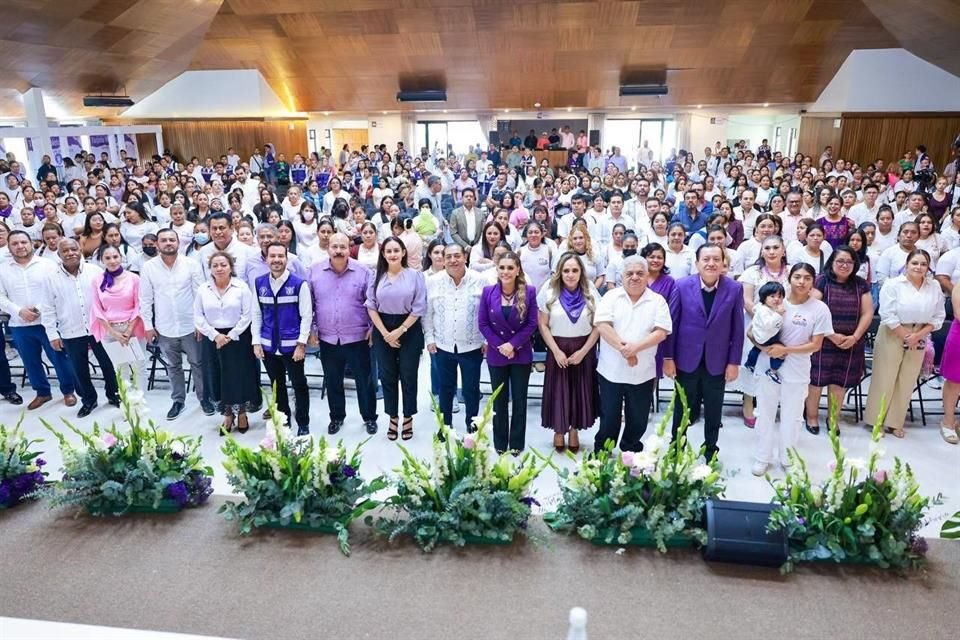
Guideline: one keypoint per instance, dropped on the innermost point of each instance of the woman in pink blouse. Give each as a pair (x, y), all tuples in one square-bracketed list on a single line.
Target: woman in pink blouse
[(115, 316)]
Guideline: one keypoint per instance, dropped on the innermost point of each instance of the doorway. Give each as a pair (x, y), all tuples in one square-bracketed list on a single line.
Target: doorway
[(356, 138)]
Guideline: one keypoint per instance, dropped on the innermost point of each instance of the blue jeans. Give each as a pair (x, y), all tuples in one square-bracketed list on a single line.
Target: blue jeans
[(445, 363), (30, 341)]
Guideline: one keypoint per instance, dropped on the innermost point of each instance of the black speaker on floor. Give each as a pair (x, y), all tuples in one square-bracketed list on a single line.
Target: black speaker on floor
[(594, 137), (737, 532)]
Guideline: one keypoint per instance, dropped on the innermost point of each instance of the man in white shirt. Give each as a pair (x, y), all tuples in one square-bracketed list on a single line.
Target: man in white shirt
[(613, 217), (282, 317), (790, 216), (866, 211), (65, 314), (451, 332), (249, 187), (578, 205), (746, 212), (915, 202), (24, 281), (948, 271), (167, 288), (632, 321), (567, 139), (644, 155)]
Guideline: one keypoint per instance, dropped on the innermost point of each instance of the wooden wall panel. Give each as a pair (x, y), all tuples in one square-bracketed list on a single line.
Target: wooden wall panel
[(211, 138), (817, 133), (146, 146), (866, 137)]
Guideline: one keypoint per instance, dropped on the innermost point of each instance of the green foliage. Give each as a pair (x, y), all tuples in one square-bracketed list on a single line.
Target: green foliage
[(467, 490), (663, 489), (303, 481), (861, 513), (951, 528), (115, 469)]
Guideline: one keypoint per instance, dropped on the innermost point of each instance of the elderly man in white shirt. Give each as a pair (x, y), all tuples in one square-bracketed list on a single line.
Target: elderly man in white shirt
[(24, 281), (452, 334), (65, 314), (167, 288), (632, 321)]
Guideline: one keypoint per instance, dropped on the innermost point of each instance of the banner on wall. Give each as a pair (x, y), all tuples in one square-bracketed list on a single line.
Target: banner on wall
[(130, 144), (57, 152), (98, 145), (74, 146)]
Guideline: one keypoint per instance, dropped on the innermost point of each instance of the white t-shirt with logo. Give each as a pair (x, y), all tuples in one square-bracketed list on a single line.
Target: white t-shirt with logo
[(801, 322)]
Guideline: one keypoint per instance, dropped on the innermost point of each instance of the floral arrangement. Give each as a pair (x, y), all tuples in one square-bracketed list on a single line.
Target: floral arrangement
[(861, 513), (20, 467), (467, 493), (288, 481), (661, 491), (137, 467)]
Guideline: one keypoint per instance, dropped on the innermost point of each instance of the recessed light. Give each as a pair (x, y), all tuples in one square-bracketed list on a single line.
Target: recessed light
[(384, 112), (326, 113), (506, 110), (699, 106), (766, 104), (444, 110), (569, 109), (536, 104), (633, 108)]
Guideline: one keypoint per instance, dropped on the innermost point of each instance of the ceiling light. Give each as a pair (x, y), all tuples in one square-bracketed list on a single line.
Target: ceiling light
[(506, 110), (384, 113), (326, 113), (766, 104), (699, 106), (444, 110), (569, 109), (633, 108), (536, 104)]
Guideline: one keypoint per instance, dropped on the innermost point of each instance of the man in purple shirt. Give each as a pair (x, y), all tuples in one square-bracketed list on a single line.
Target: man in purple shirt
[(339, 287)]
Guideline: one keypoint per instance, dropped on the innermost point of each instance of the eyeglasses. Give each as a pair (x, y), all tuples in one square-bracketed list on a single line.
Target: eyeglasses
[(844, 263)]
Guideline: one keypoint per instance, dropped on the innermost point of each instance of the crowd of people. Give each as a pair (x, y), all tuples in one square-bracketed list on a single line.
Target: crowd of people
[(741, 270)]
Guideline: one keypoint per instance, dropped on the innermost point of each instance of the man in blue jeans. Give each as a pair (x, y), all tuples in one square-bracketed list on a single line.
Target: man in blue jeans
[(24, 282), (451, 332)]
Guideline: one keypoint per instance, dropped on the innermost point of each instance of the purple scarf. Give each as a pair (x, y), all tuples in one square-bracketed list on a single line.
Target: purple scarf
[(573, 302), (109, 277)]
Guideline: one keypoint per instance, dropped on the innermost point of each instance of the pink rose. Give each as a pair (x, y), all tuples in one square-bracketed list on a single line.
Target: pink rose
[(109, 439), (469, 442), (627, 458), (880, 476), (268, 443)]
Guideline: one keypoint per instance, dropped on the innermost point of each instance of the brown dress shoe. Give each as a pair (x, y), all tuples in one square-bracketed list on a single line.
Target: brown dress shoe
[(38, 402), (70, 400)]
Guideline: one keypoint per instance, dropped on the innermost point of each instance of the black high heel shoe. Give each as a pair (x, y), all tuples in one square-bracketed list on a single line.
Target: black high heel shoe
[(814, 430), (407, 432), (392, 432)]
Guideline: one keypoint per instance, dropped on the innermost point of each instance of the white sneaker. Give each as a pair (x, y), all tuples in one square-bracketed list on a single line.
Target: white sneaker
[(759, 468)]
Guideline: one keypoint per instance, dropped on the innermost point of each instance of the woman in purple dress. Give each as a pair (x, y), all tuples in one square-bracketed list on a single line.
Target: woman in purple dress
[(659, 280), (570, 389), (836, 226), (840, 362)]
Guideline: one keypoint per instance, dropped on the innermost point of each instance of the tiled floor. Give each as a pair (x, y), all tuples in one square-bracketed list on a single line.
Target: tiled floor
[(937, 464)]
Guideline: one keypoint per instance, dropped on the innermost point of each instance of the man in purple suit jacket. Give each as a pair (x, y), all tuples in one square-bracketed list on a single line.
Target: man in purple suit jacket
[(703, 352)]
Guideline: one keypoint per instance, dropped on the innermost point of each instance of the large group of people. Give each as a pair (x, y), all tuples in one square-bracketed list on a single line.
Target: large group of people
[(740, 271)]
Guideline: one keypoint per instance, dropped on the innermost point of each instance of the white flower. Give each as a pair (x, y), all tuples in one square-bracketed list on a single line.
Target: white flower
[(177, 447), (857, 463), (700, 472), (654, 444)]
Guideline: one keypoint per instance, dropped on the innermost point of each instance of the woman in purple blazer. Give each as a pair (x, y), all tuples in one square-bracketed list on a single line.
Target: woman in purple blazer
[(507, 319)]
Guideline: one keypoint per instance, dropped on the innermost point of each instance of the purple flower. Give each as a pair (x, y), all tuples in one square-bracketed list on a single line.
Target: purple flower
[(177, 491), (199, 486), (22, 483), (41, 462), (918, 545), (348, 471), (802, 521), (5, 494)]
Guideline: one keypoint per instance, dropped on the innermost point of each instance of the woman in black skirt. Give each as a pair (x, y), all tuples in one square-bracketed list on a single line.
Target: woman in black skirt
[(222, 312), (567, 302)]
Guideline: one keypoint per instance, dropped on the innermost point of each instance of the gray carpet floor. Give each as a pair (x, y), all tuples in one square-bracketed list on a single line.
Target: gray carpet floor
[(193, 573)]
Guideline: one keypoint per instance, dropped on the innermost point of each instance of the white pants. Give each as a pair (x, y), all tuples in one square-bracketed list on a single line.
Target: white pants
[(775, 438)]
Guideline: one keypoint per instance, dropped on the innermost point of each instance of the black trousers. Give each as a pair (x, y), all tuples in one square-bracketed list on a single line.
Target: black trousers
[(636, 399), (510, 433), (7, 385), (701, 386), (399, 366), (335, 359), (77, 352), (211, 383), (278, 367)]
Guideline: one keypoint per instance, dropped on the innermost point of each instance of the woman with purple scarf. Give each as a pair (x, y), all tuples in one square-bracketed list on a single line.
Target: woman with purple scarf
[(659, 281), (570, 401)]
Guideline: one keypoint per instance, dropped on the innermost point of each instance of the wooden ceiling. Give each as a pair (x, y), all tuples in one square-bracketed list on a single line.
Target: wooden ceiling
[(70, 48), (354, 55)]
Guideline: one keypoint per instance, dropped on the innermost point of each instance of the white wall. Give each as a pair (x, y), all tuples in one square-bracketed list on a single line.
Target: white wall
[(704, 134), (385, 129), (878, 80), (211, 94)]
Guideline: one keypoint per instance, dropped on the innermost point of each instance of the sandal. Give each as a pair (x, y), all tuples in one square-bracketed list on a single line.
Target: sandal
[(898, 432), (573, 440), (392, 432), (558, 443), (949, 434), (407, 432), (750, 423)]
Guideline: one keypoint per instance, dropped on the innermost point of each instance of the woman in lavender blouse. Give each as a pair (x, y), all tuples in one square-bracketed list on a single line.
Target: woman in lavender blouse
[(396, 300), (507, 319)]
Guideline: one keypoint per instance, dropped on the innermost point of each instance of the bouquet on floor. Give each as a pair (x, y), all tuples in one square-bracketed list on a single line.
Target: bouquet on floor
[(466, 493), (131, 467), (20, 467), (297, 482), (862, 513), (657, 495)]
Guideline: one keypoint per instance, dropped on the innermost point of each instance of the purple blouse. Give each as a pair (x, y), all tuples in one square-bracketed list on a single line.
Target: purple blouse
[(403, 295), (666, 286)]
